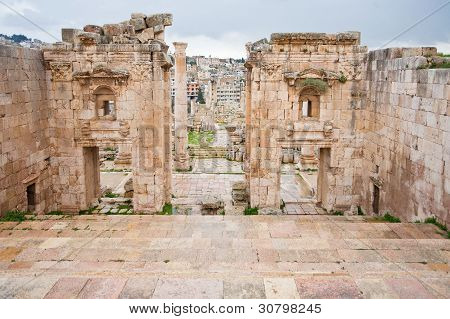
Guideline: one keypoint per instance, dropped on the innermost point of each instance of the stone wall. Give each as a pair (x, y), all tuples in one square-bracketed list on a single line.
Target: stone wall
[(24, 131), (406, 150), (137, 79), (326, 68)]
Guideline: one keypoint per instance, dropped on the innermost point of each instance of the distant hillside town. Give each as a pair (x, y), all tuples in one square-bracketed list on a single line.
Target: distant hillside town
[(20, 39), (214, 81)]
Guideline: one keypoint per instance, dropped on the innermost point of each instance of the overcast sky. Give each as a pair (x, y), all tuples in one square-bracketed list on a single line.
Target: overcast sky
[(221, 28)]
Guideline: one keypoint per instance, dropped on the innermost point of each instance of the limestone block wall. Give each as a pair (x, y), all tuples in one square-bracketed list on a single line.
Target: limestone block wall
[(24, 131), (137, 77), (406, 149), (279, 73)]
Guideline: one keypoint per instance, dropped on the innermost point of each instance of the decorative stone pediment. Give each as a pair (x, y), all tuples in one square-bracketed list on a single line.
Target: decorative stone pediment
[(101, 72), (313, 73)]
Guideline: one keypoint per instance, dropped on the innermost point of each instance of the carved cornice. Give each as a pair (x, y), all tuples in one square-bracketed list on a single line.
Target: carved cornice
[(313, 73), (102, 72)]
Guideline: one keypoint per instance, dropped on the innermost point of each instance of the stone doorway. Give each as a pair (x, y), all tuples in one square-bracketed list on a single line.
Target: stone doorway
[(92, 174), (376, 199), (31, 197), (303, 185)]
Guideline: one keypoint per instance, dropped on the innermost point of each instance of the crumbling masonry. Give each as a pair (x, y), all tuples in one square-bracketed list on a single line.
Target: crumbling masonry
[(376, 123)]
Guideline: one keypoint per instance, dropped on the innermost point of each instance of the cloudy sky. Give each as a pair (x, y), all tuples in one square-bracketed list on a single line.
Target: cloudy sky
[(221, 28)]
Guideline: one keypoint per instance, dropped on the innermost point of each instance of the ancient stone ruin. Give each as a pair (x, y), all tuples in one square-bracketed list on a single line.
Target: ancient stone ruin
[(374, 126)]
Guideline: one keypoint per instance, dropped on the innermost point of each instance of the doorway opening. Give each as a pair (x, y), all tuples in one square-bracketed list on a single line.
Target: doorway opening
[(376, 199), (92, 174), (299, 180), (108, 179), (31, 197)]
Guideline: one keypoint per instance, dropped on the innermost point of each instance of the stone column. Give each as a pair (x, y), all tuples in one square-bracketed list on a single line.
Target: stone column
[(181, 139), (124, 156), (308, 158)]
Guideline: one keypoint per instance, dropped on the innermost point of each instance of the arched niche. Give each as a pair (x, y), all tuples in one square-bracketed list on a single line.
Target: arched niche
[(105, 103), (309, 104)]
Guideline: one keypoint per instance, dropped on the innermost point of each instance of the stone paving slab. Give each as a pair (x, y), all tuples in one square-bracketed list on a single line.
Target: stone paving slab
[(140, 256)]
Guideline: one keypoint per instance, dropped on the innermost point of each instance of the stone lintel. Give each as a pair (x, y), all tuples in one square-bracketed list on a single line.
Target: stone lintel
[(349, 38)]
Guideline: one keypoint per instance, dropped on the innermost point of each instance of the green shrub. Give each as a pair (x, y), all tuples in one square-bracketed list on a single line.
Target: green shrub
[(13, 216), (342, 78), (166, 210), (391, 219), (318, 84), (338, 213), (434, 221), (111, 195), (197, 138), (251, 211)]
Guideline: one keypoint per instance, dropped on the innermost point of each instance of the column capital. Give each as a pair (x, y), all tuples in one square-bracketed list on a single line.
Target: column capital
[(180, 46)]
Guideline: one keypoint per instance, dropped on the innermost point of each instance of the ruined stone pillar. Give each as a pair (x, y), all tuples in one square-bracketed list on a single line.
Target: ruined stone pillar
[(308, 158), (124, 155), (181, 138)]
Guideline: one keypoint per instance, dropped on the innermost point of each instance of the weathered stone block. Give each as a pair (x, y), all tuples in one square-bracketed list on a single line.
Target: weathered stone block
[(68, 35), (164, 19), (93, 28), (138, 24), (146, 36)]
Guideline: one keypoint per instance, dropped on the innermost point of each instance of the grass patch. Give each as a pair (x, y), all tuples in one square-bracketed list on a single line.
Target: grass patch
[(56, 212), (434, 221), (337, 213), (125, 206), (13, 216), (434, 65), (166, 210), (203, 137), (390, 219), (88, 211), (110, 195), (251, 211)]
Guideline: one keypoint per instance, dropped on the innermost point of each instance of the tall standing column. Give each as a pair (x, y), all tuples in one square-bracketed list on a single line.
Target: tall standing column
[(181, 137)]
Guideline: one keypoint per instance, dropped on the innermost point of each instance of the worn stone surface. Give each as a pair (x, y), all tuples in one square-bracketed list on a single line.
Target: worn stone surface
[(142, 256)]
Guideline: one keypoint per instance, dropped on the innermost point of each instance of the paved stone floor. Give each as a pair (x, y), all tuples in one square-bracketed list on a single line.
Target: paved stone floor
[(221, 257), (221, 139), (190, 189), (216, 166)]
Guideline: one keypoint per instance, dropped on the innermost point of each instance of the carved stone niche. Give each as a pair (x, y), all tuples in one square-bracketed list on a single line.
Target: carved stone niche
[(61, 71)]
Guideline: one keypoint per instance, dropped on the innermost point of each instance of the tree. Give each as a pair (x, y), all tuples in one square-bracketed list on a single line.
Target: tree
[(200, 98)]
